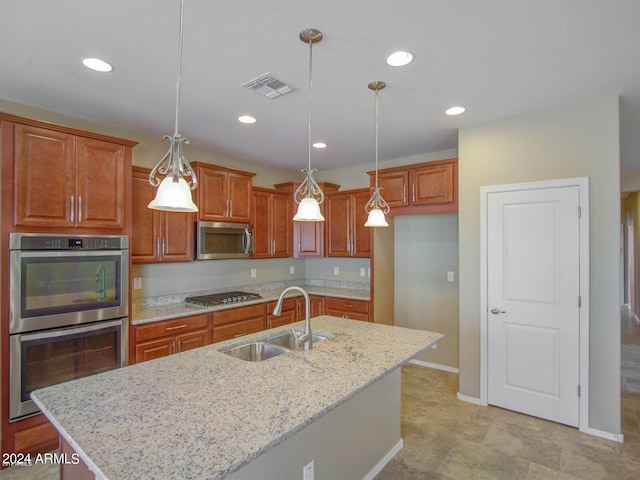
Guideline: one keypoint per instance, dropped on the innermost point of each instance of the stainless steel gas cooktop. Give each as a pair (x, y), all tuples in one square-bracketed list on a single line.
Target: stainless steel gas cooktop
[(222, 298)]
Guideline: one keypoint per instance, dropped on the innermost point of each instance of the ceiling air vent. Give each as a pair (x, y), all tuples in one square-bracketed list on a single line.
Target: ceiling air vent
[(268, 86)]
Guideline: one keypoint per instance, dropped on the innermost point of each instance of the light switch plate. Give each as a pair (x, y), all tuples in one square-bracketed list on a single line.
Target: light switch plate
[(137, 283), (450, 277), (336, 270), (307, 471), (253, 273), (292, 270)]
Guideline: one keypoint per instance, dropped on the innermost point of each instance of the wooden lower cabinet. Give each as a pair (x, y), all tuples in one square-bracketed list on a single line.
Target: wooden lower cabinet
[(289, 313), (347, 308), (237, 322), (29, 436), (159, 339)]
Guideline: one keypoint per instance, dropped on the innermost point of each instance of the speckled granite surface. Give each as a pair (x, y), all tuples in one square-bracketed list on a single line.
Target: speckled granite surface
[(171, 306), (203, 414)]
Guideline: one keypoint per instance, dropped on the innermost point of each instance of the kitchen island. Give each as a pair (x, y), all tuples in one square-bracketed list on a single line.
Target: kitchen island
[(205, 414)]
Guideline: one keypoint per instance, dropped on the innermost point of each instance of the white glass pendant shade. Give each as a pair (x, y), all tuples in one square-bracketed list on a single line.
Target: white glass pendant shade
[(173, 196), (376, 219), (309, 211)]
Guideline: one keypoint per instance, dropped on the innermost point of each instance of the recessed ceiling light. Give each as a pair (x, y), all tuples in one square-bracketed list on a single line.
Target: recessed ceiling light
[(399, 59), (97, 64), (246, 119), (454, 110), (319, 145)]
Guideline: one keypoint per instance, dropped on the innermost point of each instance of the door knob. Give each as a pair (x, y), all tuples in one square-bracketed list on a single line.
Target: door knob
[(495, 311)]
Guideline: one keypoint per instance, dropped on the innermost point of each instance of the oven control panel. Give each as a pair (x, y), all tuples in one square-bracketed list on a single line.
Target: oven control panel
[(28, 241)]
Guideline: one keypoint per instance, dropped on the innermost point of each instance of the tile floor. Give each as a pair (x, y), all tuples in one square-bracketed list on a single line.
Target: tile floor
[(448, 439)]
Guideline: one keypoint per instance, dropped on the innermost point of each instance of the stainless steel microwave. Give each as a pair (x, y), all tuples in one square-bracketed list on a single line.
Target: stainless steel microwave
[(219, 240)]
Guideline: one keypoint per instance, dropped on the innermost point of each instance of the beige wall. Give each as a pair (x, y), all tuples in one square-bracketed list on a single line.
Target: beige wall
[(575, 141), (426, 248)]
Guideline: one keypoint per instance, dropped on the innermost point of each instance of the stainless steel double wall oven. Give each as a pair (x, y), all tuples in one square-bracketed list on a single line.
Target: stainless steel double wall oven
[(68, 312)]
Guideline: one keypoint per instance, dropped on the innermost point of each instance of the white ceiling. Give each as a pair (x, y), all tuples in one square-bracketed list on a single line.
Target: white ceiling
[(498, 58)]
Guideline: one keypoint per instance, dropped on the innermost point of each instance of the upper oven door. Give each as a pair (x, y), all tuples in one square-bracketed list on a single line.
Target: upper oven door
[(51, 289)]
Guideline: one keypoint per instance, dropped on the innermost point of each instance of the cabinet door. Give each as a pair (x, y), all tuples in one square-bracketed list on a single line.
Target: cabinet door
[(177, 238), (155, 349), (262, 224), (143, 243), (44, 177), (239, 196), (308, 237), (192, 340), (361, 236), (317, 306), (393, 187), (212, 194), (281, 221), (100, 189), (338, 225), (432, 185)]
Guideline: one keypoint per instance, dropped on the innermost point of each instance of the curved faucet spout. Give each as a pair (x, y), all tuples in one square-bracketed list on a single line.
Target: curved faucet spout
[(303, 338)]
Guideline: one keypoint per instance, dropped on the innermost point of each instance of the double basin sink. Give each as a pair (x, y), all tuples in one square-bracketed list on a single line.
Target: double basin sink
[(259, 350)]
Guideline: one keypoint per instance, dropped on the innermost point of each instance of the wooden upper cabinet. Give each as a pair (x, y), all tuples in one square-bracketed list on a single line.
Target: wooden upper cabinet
[(224, 195), (157, 236), (432, 184), (308, 237), (100, 186), (63, 179), (393, 187), (430, 187), (346, 234), (272, 222), (44, 178)]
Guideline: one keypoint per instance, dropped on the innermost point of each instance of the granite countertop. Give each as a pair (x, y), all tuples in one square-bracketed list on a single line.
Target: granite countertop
[(205, 414), (156, 313)]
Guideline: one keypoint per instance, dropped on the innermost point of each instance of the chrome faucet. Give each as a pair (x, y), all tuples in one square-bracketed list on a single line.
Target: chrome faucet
[(303, 338)]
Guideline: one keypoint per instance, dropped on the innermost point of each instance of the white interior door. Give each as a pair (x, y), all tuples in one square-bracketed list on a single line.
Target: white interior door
[(533, 288)]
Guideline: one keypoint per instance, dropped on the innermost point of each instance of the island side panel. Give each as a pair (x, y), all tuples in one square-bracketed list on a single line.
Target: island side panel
[(73, 468), (355, 440)]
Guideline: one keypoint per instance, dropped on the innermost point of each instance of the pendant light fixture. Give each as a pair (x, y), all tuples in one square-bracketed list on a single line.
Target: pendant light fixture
[(174, 192), (309, 195), (376, 207)]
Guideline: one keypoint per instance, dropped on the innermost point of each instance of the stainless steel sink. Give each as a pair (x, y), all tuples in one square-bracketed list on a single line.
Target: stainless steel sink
[(287, 340), (255, 351)]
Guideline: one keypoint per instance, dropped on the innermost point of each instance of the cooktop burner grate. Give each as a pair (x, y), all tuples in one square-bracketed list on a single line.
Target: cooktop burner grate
[(221, 298)]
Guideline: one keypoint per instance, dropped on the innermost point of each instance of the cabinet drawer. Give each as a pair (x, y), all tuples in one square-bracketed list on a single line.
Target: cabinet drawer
[(238, 314), (155, 349), (238, 329), (171, 327), (347, 304)]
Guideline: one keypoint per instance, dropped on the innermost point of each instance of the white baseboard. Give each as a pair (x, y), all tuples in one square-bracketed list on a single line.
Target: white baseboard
[(466, 398), (616, 437), (384, 460), (437, 366)]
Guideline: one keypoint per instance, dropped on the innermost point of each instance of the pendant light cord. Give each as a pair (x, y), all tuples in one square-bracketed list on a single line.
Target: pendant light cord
[(310, 93), (377, 91), (179, 79)]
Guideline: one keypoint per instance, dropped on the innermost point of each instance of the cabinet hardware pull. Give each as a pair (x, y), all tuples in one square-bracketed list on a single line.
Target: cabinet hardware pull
[(173, 347), (226, 212), (230, 208), (73, 209), (168, 329), (164, 250), (413, 192), (404, 193), (179, 346), (79, 209), (158, 255), (240, 334), (347, 305)]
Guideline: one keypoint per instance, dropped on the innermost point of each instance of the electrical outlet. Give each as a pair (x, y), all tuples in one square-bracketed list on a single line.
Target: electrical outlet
[(292, 270), (450, 277), (137, 283), (336, 270), (253, 273), (362, 272), (307, 471)]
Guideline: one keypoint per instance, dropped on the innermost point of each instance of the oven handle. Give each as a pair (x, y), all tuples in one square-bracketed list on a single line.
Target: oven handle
[(71, 330)]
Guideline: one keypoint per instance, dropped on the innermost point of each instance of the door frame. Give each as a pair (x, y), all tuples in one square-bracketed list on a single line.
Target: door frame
[(583, 194)]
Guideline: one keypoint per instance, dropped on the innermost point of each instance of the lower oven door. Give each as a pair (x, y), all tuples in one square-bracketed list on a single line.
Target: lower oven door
[(42, 359)]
